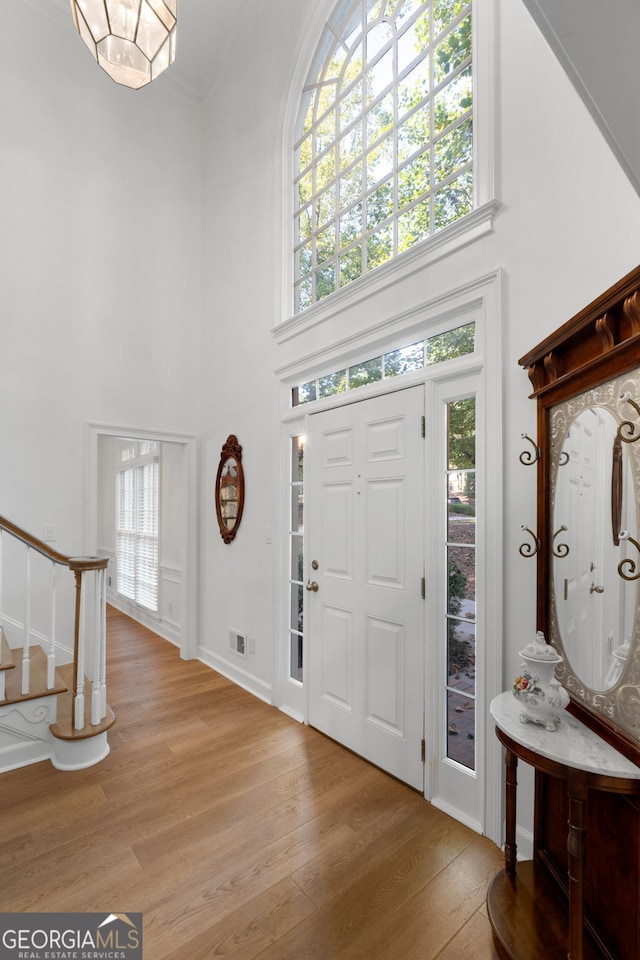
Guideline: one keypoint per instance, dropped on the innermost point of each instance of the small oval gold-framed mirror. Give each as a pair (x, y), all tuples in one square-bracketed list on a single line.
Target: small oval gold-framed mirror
[(230, 488)]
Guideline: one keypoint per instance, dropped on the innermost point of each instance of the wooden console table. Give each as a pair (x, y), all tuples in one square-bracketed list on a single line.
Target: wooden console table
[(529, 915)]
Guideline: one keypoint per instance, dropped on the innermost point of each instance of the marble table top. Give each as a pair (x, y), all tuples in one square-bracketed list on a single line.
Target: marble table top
[(572, 744)]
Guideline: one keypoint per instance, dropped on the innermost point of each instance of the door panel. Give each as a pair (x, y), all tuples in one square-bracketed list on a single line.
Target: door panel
[(384, 553), (384, 662), (337, 547), (365, 470), (337, 657)]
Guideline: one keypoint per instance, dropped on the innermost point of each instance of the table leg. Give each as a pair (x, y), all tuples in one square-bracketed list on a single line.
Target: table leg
[(577, 790), (511, 789)]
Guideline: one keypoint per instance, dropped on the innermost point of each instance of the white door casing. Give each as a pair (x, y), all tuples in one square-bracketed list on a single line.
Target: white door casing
[(474, 797), (366, 620)]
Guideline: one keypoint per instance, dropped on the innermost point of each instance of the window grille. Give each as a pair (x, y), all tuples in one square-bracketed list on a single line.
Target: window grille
[(383, 156), (443, 346)]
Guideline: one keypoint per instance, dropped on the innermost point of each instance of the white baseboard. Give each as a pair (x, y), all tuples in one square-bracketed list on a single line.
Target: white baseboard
[(458, 815), (164, 628), (294, 714), (524, 844), (241, 677)]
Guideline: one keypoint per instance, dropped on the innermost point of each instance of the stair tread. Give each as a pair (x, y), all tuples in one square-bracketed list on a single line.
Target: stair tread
[(37, 678)]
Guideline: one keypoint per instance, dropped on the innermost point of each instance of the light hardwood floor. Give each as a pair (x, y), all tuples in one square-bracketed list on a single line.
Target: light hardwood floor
[(238, 832)]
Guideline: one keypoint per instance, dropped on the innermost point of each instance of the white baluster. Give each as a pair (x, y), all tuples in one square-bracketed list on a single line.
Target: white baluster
[(103, 643), (3, 673), (96, 715), (95, 702), (1, 572), (26, 662), (51, 656), (79, 698)]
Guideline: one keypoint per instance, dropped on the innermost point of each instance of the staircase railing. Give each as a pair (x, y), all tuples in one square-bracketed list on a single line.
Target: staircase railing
[(89, 623)]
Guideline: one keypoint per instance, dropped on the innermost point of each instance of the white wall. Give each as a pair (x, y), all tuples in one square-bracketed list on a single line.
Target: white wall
[(106, 221), (566, 231), (242, 224), (100, 292)]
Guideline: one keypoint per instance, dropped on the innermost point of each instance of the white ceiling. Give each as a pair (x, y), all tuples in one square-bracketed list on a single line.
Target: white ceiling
[(207, 30), (598, 44)]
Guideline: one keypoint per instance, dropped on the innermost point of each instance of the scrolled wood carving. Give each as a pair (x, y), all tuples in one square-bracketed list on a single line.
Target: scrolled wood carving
[(631, 312), (605, 333)]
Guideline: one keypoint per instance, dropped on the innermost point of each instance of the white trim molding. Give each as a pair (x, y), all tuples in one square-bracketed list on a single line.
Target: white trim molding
[(471, 227), (479, 299), (186, 639), (478, 223)]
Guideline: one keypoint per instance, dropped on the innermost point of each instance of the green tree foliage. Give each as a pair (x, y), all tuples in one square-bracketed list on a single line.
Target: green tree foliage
[(355, 132), (404, 360), (452, 343), (332, 384), (462, 434), (457, 587), (363, 373)]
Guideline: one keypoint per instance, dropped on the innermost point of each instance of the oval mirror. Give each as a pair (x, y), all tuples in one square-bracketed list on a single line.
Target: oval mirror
[(230, 489), (593, 477)]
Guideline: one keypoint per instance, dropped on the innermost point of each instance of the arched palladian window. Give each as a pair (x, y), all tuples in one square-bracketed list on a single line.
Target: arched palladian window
[(384, 139)]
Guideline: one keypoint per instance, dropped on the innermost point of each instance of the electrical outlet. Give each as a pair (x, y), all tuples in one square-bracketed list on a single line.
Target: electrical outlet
[(49, 532)]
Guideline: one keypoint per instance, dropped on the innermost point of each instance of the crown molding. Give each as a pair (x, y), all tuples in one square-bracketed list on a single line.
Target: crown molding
[(58, 10)]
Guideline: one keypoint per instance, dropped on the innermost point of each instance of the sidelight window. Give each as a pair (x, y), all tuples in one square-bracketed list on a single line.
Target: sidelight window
[(460, 618), (296, 560)]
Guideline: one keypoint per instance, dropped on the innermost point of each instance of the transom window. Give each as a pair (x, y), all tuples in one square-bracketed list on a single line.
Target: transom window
[(384, 148), (415, 356)]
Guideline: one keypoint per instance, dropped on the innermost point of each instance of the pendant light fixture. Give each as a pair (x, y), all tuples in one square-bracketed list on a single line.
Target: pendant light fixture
[(132, 40)]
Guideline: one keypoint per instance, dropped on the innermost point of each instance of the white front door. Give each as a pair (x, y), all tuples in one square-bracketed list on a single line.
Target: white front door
[(365, 565)]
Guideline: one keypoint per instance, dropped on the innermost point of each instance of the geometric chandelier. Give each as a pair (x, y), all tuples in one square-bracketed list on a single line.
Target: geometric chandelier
[(132, 40)]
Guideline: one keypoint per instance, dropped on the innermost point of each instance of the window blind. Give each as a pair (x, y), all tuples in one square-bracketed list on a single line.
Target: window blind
[(137, 533)]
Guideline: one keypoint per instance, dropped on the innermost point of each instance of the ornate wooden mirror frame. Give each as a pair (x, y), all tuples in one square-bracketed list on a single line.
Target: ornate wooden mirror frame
[(230, 489), (592, 363)]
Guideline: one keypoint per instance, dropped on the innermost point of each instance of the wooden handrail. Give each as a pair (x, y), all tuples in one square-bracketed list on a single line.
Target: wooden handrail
[(78, 566), (74, 563)]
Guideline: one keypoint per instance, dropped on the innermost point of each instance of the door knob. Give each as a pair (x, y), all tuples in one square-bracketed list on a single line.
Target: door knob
[(594, 589), (311, 585)]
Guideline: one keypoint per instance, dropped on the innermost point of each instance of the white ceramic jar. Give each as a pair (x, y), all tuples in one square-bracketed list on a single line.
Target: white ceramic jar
[(541, 695)]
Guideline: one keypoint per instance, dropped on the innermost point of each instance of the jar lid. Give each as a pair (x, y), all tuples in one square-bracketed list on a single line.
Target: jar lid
[(539, 649)]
